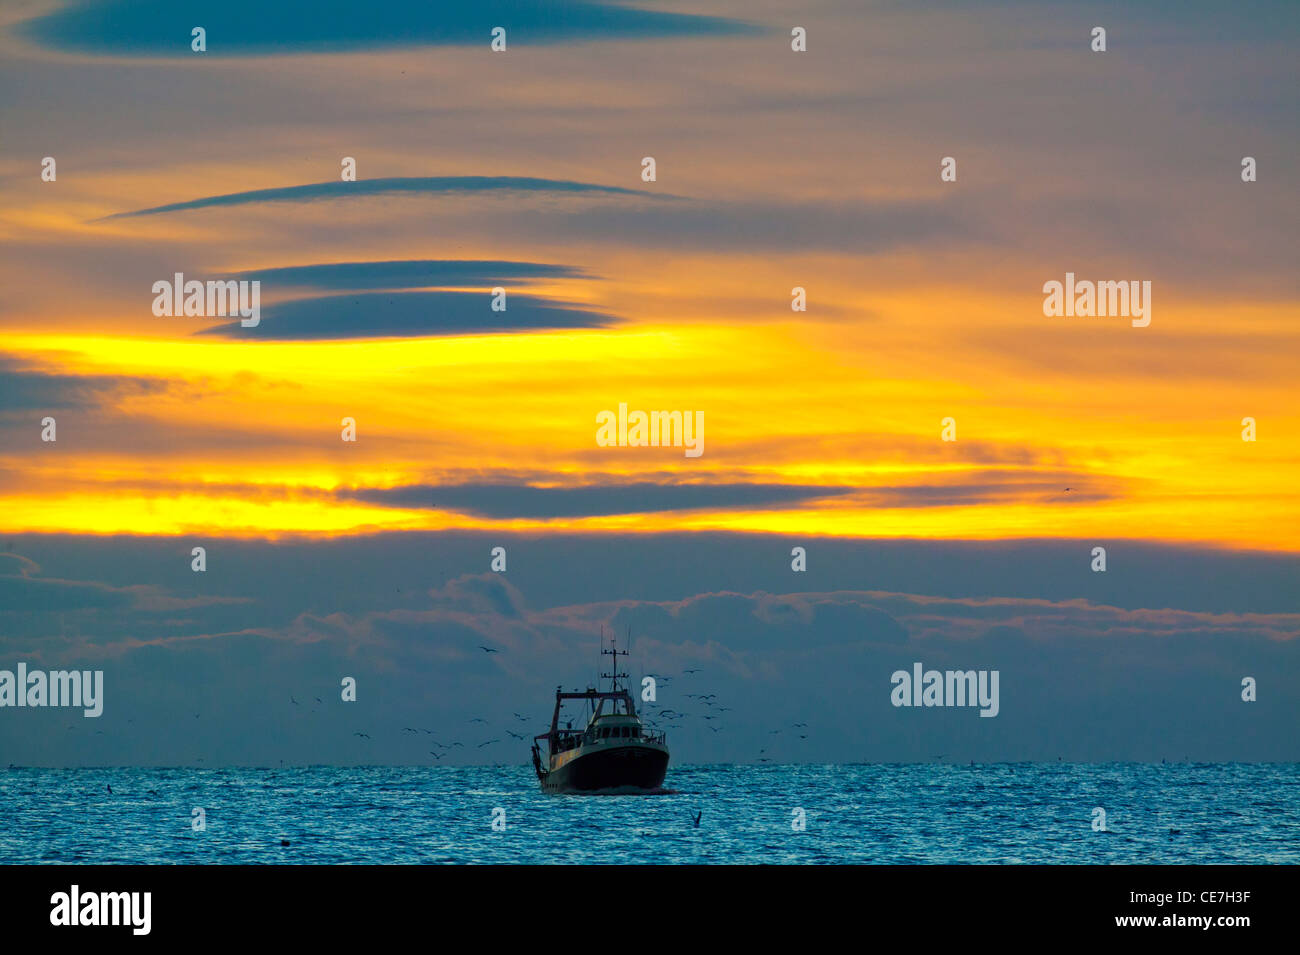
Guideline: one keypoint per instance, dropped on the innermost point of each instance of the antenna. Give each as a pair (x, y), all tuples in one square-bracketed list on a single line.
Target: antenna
[(614, 652)]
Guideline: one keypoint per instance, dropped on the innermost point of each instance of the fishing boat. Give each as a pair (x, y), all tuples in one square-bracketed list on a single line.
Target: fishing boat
[(614, 753)]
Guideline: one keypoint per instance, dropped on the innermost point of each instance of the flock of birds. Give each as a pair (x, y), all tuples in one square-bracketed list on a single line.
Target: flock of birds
[(710, 712), (443, 749), (657, 716)]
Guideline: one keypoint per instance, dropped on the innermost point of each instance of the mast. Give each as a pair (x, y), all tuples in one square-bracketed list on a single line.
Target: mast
[(614, 652), (615, 691)]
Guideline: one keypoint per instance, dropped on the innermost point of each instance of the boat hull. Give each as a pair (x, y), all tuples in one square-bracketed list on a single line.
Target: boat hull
[(610, 769)]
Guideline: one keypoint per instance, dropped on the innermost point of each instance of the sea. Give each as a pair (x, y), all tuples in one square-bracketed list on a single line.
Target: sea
[(1068, 813)]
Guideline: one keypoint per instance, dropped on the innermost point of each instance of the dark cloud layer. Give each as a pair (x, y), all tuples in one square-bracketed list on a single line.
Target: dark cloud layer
[(252, 28), (1143, 662), (407, 314), (513, 501), (25, 388), (411, 273), (397, 185)]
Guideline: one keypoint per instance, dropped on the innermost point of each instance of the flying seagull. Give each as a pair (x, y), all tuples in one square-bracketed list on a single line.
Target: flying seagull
[(488, 649)]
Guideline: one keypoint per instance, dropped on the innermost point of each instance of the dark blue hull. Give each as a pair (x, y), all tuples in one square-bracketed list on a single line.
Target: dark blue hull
[(635, 768)]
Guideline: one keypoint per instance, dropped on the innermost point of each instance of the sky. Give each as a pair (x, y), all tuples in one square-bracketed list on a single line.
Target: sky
[(823, 429)]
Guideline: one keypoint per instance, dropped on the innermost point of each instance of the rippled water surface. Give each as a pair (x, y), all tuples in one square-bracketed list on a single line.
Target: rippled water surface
[(1169, 813)]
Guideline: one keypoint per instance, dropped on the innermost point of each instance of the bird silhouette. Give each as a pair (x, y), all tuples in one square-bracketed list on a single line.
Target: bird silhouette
[(362, 735), (697, 818), (690, 671), (488, 743), (435, 755), (294, 702), (488, 649), (110, 789)]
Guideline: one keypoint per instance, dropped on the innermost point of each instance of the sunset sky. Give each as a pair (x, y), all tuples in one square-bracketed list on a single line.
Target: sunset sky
[(522, 169)]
